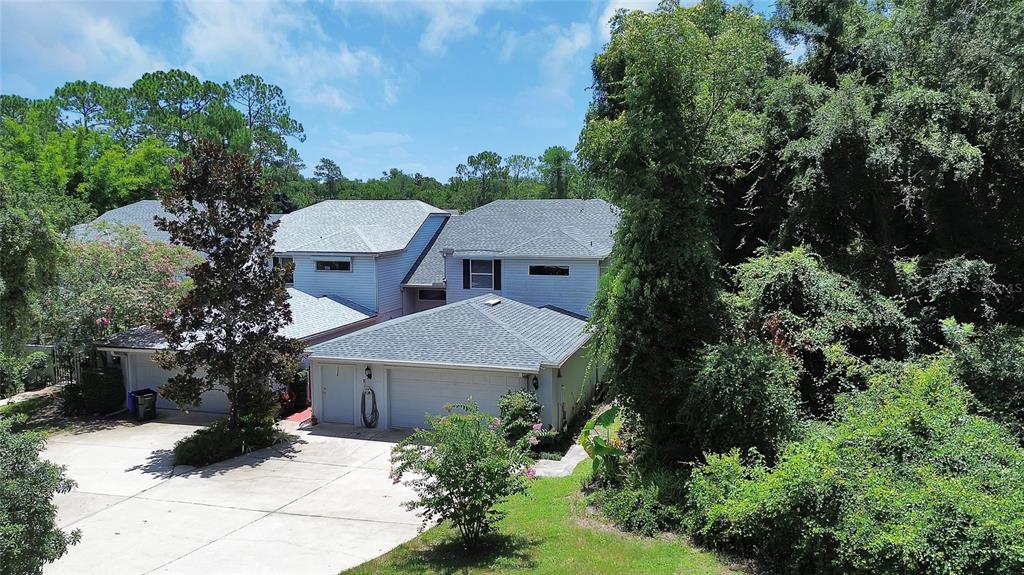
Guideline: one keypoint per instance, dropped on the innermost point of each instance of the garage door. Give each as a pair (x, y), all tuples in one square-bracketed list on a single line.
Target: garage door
[(416, 392), (337, 402), (148, 374)]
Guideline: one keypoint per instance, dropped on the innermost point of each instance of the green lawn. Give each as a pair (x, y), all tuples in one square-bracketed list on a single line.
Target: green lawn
[(547, 530)]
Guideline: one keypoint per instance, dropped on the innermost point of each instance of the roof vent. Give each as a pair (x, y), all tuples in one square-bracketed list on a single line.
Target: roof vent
[(493, 302)]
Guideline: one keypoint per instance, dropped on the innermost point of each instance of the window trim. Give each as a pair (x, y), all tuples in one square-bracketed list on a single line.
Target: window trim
[(489, 274), (316, 265), (549, 267)]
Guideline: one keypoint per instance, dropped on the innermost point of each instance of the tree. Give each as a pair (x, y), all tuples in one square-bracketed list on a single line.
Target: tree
[(329, 174), (557, 169), (480, 180), (29, 535), (174, 106), (224, 332), (113, 283), (84, 99), (669, 90), (30, 249), (267, 116)]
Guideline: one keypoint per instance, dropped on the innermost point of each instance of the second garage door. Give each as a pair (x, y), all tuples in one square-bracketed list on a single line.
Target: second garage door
[(416, 392)]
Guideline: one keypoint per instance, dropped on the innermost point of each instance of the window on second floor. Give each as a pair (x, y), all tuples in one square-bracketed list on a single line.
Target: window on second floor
[(481, 274), (334, 265), (432, 295), (549, 270), (289, 277)]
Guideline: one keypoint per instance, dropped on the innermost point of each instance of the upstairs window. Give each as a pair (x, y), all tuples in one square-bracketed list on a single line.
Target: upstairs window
[(334, 265), (289, 277), (432, 295), (549, 270), (481, 274)]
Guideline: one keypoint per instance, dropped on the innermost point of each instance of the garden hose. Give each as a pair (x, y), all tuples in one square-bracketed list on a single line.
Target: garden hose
[(371, 419)]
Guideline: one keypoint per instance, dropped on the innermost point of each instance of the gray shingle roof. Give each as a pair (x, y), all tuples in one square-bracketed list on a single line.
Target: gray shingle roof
[(310, 316), (140, 214), (510, 335), (353, 226), (522, 229)]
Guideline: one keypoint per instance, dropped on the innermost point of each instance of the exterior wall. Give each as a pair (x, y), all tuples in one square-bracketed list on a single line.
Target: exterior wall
[(358, 286), (412, 303), (574, 292), (392, 269), (574, 385)]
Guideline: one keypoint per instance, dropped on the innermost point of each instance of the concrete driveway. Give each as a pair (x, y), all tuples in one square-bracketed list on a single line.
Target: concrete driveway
[(320, 505)]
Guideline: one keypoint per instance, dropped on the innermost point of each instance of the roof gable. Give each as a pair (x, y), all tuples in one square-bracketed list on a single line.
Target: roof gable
[(353, 226)]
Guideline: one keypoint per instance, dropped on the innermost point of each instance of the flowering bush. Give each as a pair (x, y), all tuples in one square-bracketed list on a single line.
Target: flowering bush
[(520, 417), (114, 283), (461, 468)]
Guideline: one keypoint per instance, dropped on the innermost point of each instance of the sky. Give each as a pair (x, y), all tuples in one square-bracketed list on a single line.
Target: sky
[(377, 84)]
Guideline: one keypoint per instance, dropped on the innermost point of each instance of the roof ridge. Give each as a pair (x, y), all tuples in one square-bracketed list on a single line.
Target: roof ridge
[(508, 328)]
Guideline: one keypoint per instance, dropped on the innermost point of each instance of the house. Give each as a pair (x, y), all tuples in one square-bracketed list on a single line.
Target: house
[(314, 320), (360, 250), (480, 347), (539, 252), (349, 258)]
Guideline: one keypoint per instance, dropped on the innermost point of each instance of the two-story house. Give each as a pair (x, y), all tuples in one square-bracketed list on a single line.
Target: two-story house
[(538, 252), (349, 257), (498, 302)]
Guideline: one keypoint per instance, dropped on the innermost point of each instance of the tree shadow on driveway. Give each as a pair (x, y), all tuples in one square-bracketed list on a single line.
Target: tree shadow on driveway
[(160, 463)]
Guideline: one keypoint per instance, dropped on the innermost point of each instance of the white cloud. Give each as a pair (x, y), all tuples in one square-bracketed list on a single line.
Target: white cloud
[(74, 40), (448, 21), (285, 43), (603, 24)]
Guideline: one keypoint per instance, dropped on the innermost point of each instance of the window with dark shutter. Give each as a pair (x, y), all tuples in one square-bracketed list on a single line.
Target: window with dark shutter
[(497, 275), (465, 274)]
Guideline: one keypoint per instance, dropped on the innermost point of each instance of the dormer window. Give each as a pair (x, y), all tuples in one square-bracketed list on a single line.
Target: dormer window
[(339, 265)]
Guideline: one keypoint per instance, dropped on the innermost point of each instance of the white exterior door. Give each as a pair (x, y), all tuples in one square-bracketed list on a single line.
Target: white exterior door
[(336, 393), (414, 392)]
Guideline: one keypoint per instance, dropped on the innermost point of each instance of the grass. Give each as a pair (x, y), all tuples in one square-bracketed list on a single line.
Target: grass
[(548, 530), (41, 413)]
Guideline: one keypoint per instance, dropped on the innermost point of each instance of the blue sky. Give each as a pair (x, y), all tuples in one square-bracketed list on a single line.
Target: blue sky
[(377, 84)]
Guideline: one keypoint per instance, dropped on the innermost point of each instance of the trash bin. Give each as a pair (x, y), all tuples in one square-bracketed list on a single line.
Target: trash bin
[(144, 403)]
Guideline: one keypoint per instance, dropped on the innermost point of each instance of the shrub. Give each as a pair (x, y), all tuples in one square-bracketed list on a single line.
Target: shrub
[(219, 441), (639, 509), (600, 439), (991, 364), (29, 536), (519, 411), (743, 396), (15, 371), (830, 325), (461, 468), (906, 480)]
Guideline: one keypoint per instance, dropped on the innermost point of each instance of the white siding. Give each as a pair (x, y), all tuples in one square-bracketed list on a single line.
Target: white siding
[(574, 292), (393, 268), (357, 286), (575, 386)]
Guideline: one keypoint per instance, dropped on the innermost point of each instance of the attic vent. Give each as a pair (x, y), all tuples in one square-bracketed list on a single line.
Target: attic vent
[(492, 302)]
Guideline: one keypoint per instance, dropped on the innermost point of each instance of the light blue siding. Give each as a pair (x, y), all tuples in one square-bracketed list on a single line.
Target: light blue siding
[(358, 286), (392, 269), (574, 292)]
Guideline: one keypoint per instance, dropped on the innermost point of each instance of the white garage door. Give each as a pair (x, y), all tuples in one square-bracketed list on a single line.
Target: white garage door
[(416, 392), (336, 393), (148, 374)]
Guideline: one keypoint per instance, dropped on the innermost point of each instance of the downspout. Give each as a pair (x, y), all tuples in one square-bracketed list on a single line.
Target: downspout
[(444, 260)]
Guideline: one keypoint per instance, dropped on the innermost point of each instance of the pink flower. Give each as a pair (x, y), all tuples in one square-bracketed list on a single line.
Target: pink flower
[(531, 473), (168, 313), (534, 441), (495, 423), (538, 426), (99, 321)]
